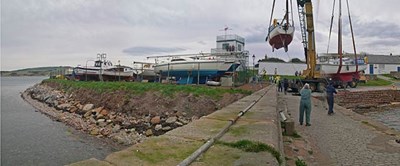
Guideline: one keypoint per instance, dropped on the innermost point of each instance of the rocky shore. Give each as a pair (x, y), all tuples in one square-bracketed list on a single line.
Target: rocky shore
[(127, 121)]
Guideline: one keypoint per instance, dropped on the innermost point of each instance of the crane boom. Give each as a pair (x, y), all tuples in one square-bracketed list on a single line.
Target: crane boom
[(307, 29)]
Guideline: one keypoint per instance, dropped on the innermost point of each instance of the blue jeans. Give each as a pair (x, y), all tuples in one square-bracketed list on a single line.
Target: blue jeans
[(330, 104)]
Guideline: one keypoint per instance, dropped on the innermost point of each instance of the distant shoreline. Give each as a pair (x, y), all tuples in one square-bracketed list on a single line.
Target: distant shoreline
[(37, 71), (22, 75)]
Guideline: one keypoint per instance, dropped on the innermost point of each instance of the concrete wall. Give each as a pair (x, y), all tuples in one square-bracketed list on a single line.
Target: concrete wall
[(282, 68), (367, 98)]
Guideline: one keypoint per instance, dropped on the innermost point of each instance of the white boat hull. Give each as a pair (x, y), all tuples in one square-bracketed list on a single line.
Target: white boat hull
[(279, 37), (334, 69), (107, 74), (194, 66)]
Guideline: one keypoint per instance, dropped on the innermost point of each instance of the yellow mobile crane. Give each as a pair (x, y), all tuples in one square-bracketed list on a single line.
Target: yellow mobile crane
[(312, 74)]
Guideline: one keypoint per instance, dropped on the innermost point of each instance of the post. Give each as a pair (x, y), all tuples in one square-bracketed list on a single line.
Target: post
[(168, 74), (198, 73), (86, 70), (254, 57), (141, 74), (119, 70)]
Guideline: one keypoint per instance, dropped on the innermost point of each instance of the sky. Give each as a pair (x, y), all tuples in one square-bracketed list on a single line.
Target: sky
[(36, 33)]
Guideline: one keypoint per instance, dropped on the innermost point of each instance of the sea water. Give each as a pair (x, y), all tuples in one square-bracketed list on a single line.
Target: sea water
[(31, 138), (390, 118)]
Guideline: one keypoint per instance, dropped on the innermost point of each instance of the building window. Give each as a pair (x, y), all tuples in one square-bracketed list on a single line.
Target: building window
[(225, 46), (239, 47)]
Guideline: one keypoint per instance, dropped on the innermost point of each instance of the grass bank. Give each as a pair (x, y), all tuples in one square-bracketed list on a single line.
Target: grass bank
[(140, 88), (377, 82)]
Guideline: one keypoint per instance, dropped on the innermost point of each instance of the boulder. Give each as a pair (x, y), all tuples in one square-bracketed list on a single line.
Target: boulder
[(100, 116), (87, 107), (64, 106), (166, 128), (102, 124), (104, 112), (158, 127), (96, 111), (183, 120), (87, 114), (171, 120), (149, 132), (105, 132), (147, 119), (155, 120), (101, 120), (179, 123), (116, 128), (73, 109), (94, 131)]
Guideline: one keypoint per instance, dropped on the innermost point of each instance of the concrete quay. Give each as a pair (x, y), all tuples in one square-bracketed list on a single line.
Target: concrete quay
[(259, 124), (346, 138)]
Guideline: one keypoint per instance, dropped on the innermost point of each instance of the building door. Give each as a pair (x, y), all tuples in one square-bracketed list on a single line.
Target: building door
[(371, 69)]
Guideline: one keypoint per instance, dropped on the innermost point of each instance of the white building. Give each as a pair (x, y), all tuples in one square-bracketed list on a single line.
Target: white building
[(382, 64), (281, 68)]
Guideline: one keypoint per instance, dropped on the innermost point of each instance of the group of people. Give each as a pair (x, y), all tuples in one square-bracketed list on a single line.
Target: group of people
[(282, 85), (305, 102)]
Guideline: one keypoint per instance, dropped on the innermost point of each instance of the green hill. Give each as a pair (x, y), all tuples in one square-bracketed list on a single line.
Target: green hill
[(37, 71)]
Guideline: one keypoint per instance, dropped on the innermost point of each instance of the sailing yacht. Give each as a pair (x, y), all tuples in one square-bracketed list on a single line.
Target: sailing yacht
[(280, 33)]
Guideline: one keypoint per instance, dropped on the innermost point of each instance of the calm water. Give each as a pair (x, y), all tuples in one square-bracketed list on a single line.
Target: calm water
[(31, 138), (390, 118)]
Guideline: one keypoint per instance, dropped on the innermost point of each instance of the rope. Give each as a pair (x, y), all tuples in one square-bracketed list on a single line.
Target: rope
[(352, 36), (270, 19), (330, 29)]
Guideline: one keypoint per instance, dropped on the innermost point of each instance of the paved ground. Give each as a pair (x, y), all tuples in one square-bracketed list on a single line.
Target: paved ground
[(345, 138)]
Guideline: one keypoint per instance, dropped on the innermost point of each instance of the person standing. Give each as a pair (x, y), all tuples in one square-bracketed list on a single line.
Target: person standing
[(285, 85), (279, 84), (305, 104), (330, 90)]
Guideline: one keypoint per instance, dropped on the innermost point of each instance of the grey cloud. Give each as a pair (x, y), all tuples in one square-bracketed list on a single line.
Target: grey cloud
[(145, 50), (373, 28), (202, 42), (256, 34)]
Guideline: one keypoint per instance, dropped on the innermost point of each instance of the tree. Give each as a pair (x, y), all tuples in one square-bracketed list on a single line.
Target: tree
[(296, 60), (271, 60)]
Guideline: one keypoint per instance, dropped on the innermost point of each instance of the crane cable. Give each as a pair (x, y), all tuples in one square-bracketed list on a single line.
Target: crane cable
[(330, 29), (270, 19)]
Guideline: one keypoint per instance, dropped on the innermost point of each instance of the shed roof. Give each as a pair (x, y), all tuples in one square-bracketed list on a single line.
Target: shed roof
[(383, 59)]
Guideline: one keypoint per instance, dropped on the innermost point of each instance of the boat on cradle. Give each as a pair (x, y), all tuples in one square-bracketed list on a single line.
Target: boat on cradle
[(190, 70), (346, 70), (103, 70), (280, 33), (144, 71)]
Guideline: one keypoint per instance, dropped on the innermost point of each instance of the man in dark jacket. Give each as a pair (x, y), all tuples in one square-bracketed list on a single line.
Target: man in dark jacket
[(285, 85), (330, 90)]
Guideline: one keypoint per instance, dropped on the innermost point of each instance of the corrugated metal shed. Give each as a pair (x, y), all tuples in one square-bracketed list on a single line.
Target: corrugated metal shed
[(383, 59)]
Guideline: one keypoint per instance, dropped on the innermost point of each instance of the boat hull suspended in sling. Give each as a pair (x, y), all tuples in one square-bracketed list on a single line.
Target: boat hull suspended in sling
[(280, 36)]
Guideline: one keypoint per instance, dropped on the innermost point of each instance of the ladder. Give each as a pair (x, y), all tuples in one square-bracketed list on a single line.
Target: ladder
[(302, 18)]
